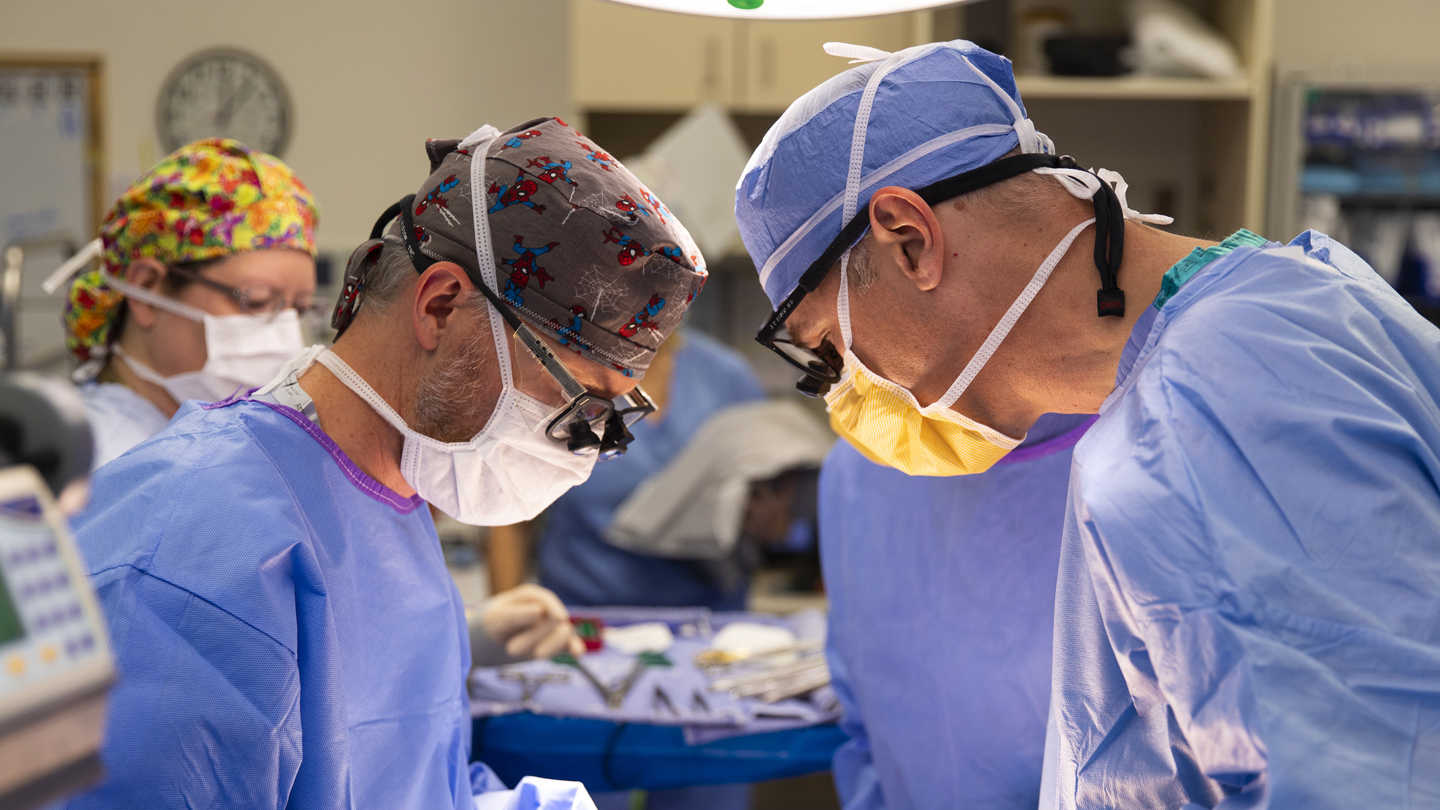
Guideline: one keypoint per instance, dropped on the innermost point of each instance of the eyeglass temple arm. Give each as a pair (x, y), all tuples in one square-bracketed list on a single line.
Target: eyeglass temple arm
[(532, 341)]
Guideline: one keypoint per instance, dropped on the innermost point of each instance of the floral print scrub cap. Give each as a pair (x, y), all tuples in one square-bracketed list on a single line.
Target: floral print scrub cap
[(581, 249), (209, 199)]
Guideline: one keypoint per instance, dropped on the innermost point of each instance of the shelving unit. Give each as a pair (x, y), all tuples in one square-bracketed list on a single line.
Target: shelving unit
[(1145, 88), (1376, 181), (746, 66), (1193, 148)]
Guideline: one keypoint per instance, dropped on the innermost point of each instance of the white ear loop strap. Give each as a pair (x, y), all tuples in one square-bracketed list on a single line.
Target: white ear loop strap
[(1008, 321)]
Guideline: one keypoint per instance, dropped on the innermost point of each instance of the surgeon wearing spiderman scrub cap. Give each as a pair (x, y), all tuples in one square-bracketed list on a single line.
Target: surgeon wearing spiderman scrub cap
[(1249, 578), (286, 631)]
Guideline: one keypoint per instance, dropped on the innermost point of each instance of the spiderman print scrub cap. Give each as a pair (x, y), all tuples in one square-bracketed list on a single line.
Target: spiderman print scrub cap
[(575, 245)]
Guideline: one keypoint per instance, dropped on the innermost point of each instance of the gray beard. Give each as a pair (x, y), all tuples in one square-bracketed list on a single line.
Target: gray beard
[(449, 401)]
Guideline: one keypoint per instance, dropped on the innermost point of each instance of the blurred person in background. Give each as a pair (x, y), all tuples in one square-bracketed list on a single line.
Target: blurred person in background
[(692, 378), (969, 564), (207, 273)]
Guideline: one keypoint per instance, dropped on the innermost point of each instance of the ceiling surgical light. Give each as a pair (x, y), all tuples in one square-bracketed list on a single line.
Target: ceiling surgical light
[(790, 9)]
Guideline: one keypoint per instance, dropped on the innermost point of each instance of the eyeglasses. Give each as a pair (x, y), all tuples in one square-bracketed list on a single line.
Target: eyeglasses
[(585, 417), (823, 366), (266, 302), (586, 422)]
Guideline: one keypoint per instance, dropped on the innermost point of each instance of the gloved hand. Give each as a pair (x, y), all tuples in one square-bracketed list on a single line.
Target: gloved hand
[(519, 624)]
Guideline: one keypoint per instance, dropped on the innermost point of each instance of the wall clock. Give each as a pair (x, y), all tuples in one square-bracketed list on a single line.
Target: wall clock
[(224, 93)]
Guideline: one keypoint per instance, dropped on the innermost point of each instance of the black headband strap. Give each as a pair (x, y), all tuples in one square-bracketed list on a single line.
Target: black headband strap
[(423, 262), (935, 193), (1109, 225)]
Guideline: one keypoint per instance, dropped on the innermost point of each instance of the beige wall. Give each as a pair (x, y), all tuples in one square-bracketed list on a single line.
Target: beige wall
[(369, 79), (1372, 33)]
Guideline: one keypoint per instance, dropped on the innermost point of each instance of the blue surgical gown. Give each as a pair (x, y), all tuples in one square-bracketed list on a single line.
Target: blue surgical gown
[(573, 558), (1248, 610), (942, 598), (285, 629)]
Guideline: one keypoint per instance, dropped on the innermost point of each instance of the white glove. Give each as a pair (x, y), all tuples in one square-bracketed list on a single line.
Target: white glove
[(534, 793), (519, 624)]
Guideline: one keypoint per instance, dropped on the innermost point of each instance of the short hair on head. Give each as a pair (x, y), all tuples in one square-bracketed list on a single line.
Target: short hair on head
[(389, 276), (1020, 199)]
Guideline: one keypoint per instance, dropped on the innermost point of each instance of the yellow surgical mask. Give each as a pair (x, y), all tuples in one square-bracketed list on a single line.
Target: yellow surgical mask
[(886, 423)]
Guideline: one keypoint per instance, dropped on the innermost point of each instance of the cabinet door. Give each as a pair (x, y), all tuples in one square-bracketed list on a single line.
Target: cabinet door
[(777, 62), (637, 59)]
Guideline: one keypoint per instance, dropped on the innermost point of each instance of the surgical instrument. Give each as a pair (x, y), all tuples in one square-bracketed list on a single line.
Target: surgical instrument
[(530, 684)]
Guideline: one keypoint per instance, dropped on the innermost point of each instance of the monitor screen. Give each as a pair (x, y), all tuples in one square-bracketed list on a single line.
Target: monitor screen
[(22, 526)]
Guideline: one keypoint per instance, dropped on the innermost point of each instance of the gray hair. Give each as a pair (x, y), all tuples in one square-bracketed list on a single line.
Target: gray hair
[(393, 270), (388, 277)]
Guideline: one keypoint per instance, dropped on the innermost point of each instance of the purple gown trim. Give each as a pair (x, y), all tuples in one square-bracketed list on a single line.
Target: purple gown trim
[(363, 482)]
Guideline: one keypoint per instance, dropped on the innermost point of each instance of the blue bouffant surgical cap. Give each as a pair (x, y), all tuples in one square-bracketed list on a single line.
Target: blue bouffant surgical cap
[(930, 112)]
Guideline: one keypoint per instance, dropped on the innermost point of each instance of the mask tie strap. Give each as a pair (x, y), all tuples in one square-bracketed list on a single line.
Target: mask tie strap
[(142, 370), (858, 54), (478, 142), (72, 266), (857, 161), (152, 298), (1031, 140), (982, 355)]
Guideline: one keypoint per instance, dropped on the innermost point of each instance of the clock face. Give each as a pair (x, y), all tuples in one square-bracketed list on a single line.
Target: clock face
[(224, 94)]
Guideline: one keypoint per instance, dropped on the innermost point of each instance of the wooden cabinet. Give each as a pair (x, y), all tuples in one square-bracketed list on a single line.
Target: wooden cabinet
[(777, 62), (637, 59)]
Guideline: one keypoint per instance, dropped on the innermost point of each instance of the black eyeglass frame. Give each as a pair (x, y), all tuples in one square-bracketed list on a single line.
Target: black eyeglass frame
[(1109, 249), (570, 424)]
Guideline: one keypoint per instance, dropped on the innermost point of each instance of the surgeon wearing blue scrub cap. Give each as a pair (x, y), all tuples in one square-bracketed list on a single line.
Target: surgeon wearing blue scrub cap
[(1249, 582)]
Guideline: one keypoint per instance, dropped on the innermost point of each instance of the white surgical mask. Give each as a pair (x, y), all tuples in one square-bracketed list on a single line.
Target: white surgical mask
[(508, 473), (241, 351)]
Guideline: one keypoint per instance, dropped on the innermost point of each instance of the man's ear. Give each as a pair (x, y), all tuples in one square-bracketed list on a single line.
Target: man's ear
[(907, 234), (150, 274), (439, 294)]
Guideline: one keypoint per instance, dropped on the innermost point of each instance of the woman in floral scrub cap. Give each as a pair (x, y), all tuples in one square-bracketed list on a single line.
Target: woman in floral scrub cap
[(208, 269)]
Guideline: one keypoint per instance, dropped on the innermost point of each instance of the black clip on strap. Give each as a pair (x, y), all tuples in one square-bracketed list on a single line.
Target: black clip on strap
[(1109, 250), (423, 262)]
